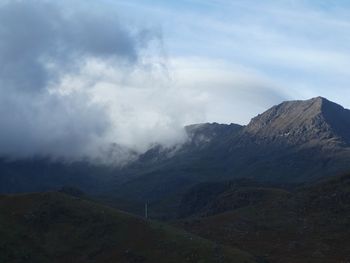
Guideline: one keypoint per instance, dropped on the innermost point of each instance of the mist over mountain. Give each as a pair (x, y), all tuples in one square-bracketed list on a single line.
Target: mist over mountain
[(293, 142), (78, 82)]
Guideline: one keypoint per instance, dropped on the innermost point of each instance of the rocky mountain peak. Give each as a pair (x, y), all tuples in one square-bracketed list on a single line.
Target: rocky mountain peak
[(302, 121)]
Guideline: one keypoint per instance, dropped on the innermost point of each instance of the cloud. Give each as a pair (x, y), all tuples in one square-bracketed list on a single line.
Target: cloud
[(88, 78), (76, 81), (144, 105), (36, 34), (228, 92), (66, 82)]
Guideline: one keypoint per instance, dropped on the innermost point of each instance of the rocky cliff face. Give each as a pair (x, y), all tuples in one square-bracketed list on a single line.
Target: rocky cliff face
[(314, 121)]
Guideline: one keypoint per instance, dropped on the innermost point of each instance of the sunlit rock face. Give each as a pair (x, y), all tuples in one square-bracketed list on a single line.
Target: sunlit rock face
[(312, 121)]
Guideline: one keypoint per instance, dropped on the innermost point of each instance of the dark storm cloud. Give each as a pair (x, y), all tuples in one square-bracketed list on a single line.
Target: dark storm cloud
[(35, 33), (40, 43)]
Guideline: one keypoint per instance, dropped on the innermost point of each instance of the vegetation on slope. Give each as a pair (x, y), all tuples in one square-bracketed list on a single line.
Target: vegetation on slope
[(55, 227), (309, 225)]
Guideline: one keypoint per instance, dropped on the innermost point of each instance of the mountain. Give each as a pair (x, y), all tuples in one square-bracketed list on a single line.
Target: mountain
[(309, 224), (270, 187), (54, 227), (291, 143)]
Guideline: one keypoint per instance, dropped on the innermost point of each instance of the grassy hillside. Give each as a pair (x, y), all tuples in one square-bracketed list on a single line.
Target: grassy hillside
[(54, 227), (310, 225), (216, 197)]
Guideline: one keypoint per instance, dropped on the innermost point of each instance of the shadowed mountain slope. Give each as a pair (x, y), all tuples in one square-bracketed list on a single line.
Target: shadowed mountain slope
[(309, 225)]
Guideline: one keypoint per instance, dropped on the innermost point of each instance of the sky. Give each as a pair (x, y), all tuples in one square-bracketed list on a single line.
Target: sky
[(81, 78), (253, 54)]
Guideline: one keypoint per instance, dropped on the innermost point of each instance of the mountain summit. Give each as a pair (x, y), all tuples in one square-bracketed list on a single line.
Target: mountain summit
[(317, 119)]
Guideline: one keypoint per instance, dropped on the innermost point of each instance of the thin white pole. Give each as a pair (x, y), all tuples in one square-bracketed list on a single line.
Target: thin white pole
[(146, 210)]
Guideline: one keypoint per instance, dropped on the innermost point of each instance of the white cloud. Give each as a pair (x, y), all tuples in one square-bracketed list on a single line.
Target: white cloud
[(74, 83)]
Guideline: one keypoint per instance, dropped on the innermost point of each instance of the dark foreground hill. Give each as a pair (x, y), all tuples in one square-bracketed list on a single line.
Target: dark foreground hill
[(54, 227), (310, 224)]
